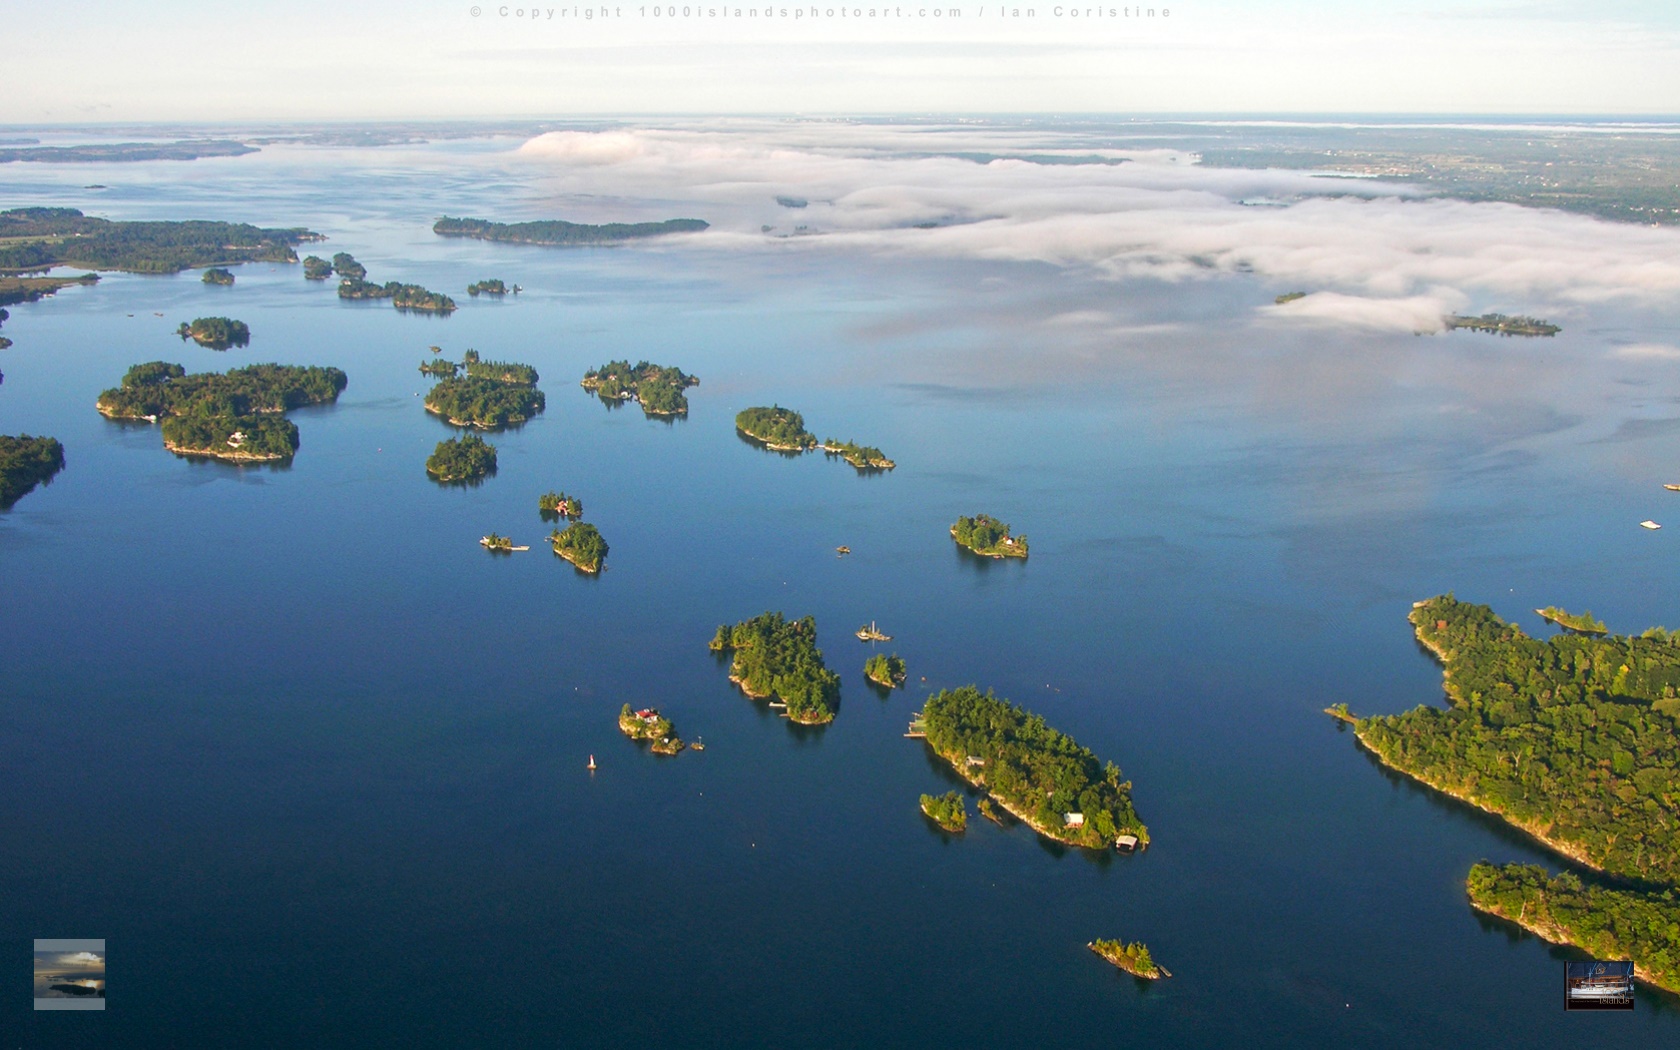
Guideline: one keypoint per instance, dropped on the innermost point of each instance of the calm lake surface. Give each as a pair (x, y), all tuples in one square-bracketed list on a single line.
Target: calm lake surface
[(294, 728)]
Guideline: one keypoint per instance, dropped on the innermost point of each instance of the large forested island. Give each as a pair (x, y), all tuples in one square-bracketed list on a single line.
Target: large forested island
[(559, 232), (652, 727), (465, 458), (581, 544), (1572, 739), (38, 238), (217, 333), (779, 657), (492, 394), (1038, 774), (988, 536), (776, 427), (25, 462), (1607, 922), (657, 388), (159, 388), (233, 415)]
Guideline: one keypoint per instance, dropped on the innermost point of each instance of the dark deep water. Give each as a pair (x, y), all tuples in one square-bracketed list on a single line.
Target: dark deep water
[(312, 761)]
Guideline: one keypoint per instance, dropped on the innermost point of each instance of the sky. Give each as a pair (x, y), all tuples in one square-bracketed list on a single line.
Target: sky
[(78, 964), (309, 60)]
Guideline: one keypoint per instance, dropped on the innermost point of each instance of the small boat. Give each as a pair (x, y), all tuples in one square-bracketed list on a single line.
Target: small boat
[(1649, 524), (1672, 488), (842, 550), (592, 763)]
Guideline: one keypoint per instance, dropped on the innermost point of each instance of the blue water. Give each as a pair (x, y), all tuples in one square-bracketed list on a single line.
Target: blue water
[(312, 762)]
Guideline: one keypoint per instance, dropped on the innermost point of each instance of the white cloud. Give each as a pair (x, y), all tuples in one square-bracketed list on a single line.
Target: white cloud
[(1415, 313), (1376, 254)]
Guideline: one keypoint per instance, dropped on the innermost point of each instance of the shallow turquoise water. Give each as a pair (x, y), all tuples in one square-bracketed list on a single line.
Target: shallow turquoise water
[(313, 762)]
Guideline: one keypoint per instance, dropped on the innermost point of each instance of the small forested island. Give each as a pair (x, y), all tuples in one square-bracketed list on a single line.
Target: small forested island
[(217, 333), (558, 232), (25, 462), (233, 415), (439, 368), (498, 371), (1503, 325), (779, 657), (947, 810), (15, 289), (492, 394), (496, 543), (1581, 623), (38, 238), (581, 544), (775, 427), (885, 670), (462, 459), (1573, 740), (316, 268), (1134, 958), (218, 275), (1036, 773), (863, 457), (345, 265), (657, 388), (1606, 922), (1289, 297), (649, 725), (986, 535), (255, 439), (556, 505), (493, 286), (403, 296)]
